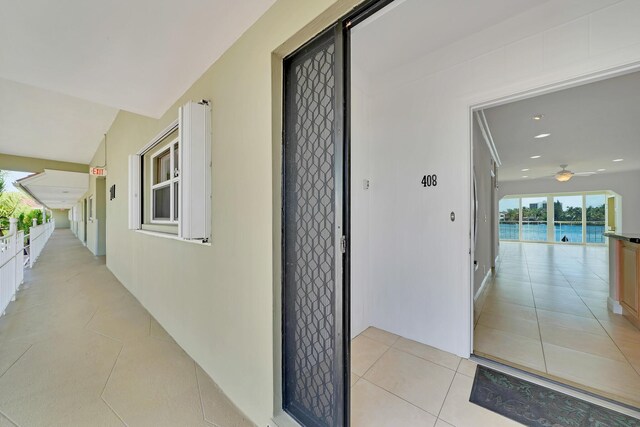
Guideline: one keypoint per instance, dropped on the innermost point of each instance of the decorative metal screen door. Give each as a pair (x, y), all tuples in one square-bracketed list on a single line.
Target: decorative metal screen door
[(314, 351)]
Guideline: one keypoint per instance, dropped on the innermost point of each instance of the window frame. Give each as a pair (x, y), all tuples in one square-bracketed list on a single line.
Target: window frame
[(172, 146), (90, 208), (191, 216)]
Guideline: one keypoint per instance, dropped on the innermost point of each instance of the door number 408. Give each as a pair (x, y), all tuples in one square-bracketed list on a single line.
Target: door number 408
[(429, 180)]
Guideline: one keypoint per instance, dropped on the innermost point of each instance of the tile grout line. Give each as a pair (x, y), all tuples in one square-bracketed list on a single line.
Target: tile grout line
[(16, 361), (400, 397), (195, 372), (626, 358), (92, 316), (113, 368), (9, 419), (535, 309), (446, 395), (411, 354)]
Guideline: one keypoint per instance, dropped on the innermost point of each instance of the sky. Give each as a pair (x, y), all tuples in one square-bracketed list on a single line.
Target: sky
[(11, 177), (567, 201)]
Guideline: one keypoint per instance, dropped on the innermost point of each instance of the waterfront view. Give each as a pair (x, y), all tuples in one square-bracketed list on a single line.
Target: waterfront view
[(569, 223), (537, 232)]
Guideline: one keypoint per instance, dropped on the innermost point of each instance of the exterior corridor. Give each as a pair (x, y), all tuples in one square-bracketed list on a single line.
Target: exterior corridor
[(77, 349)]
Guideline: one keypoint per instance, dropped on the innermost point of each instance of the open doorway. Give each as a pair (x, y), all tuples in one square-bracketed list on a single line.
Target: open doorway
[(378, 234), (558, 171)]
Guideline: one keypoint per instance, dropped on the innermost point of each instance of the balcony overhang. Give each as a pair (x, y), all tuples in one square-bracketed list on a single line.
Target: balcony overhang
[(55, 189)]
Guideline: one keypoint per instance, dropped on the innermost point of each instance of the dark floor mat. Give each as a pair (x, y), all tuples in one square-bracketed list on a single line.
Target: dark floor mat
[(535, 405)]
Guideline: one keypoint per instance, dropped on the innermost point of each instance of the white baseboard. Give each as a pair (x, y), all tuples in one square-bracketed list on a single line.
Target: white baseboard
[(480, 297), (483, 286), (614, 306)]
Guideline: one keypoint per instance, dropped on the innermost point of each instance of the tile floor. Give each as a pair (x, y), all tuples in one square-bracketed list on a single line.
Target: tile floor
[(77, 349), (546, 311), (399, 382)]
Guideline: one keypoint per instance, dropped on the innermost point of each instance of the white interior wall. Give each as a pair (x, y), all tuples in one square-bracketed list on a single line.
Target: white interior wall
[(361, 295), (420, 124), (483, 166)]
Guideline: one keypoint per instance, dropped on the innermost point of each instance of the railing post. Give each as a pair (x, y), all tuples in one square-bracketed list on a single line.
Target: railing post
[(13, 226)]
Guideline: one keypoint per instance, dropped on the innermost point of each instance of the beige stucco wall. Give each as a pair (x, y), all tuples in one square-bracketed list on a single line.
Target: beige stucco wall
[(217, 301), (61, 217), (98, 192)]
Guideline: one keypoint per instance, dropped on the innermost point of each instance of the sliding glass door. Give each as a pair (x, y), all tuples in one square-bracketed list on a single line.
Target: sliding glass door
[(534, 219), (509, 222), (595, 215), (567, 219)]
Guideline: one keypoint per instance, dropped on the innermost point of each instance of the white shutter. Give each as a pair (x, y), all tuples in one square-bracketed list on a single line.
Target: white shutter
[(134, 192), (195, 171)]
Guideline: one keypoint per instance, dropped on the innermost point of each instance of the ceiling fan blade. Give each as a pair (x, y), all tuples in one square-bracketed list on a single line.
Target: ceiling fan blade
[(584, 173)]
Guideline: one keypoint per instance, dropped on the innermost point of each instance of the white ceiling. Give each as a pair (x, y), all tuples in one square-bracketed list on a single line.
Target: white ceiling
[(590, 126), (427, 25), (44, 124), (56, 189), (90, 59)]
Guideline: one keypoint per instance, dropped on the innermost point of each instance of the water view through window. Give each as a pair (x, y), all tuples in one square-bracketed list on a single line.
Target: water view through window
[(534, 219), (567, 219), (509, 219), (576, 218)]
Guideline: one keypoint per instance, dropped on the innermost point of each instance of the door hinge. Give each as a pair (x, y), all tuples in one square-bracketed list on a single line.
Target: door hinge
[(343, 244)]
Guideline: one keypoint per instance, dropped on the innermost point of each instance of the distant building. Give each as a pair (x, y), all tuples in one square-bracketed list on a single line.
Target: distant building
[(540, 205)]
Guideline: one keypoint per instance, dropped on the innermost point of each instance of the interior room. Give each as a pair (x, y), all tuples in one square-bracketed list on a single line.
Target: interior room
[(408, 107), (556, 172)]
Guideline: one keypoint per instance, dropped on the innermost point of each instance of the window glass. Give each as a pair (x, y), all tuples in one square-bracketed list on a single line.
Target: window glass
[(534, 219), (509, 219), (162, 167), (162, 203), (595, 218), (567, 219)]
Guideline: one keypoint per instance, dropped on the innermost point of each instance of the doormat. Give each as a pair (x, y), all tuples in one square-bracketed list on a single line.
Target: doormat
[(538, 406)]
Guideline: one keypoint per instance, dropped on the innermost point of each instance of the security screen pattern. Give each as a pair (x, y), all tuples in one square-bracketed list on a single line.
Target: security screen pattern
[(311, 367)]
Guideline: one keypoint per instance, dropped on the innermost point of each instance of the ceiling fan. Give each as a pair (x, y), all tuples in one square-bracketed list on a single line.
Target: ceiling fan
[(565, 175)]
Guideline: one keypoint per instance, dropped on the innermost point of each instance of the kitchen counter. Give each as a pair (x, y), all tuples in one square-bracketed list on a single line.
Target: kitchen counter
[(632, 238)]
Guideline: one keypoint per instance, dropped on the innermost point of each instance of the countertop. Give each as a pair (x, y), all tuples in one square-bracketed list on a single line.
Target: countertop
[(629, 237)]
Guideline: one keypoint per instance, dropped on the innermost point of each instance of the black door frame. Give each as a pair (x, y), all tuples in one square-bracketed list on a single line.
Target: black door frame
[(342, 32)]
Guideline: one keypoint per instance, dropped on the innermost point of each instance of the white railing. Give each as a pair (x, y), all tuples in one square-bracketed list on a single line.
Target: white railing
[(38, 236), (11, 268), (12, 258)]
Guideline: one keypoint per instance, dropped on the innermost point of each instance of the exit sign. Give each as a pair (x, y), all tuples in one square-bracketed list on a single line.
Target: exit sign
[(98, 171)]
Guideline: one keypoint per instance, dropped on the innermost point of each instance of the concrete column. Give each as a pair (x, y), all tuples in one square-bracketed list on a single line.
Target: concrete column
[(13, 226)]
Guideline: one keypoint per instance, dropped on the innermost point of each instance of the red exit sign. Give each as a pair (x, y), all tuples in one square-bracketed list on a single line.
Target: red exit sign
[(98, 171)]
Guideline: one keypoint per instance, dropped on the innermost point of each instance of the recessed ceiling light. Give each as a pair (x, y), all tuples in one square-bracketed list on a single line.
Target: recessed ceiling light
[(542, 135), (535, 157), (524, 170), (525, 176), (601, 170), (538, 117), (618, 160)]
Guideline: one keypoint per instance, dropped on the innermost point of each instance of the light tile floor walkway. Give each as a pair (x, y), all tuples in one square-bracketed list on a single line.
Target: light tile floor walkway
[(399, 382), (546, 311), (77, 349)]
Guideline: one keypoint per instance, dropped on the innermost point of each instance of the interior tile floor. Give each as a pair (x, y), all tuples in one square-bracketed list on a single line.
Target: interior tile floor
[(399, 382), (546, 311), (77, 349)]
